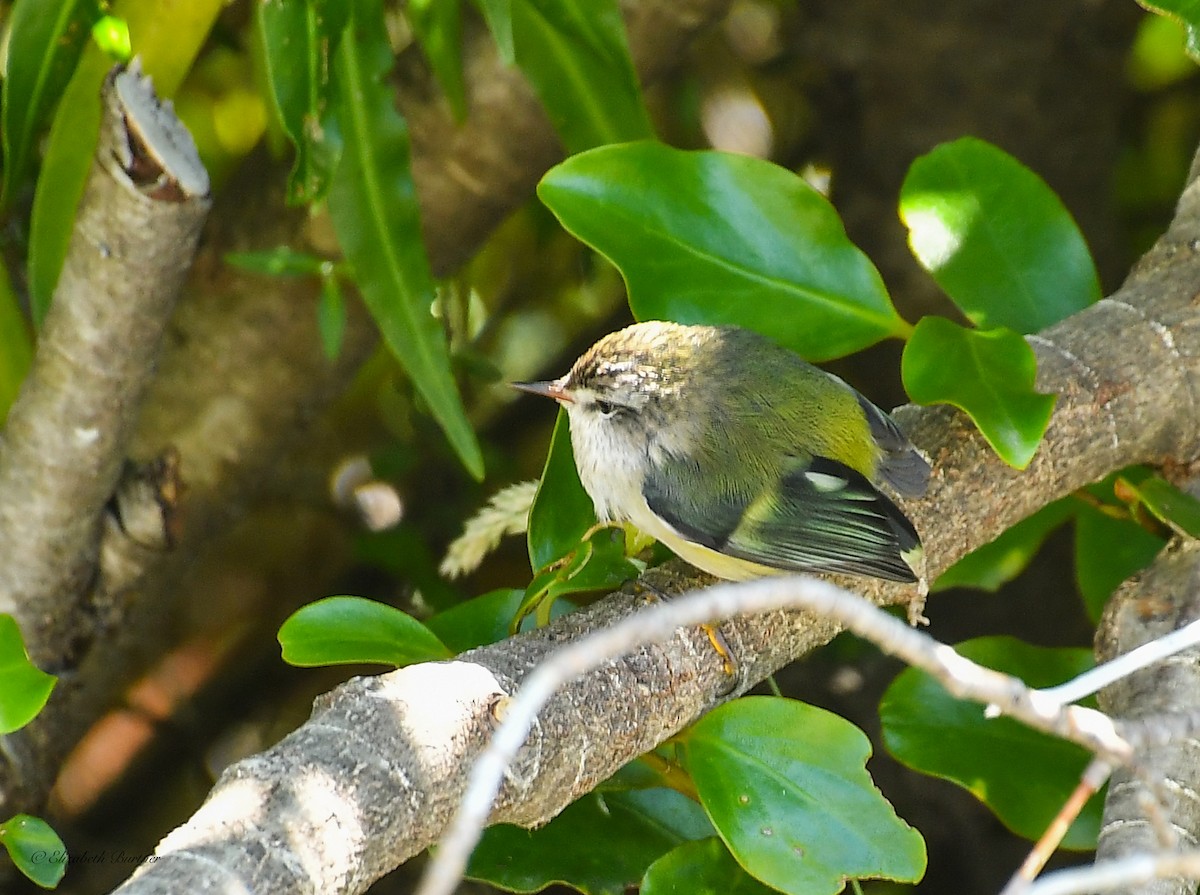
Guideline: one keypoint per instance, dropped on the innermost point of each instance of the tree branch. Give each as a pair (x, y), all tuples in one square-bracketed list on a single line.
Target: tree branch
[(391, 768), (65, 441)]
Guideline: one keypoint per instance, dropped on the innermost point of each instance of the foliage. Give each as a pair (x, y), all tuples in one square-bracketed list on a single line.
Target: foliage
[(32, 844), (696, 236)]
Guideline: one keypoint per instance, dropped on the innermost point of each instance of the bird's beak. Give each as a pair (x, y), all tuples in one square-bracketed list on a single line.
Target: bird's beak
[(552, 389)]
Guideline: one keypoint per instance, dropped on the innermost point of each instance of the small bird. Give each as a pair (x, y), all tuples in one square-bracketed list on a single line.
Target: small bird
[(742, 458)]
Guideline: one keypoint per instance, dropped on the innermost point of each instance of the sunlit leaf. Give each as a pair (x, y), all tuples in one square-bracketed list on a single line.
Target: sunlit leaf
[(24, 688), (785, 785), (989, 374), (996, 237), (711, 237), (349, 630)]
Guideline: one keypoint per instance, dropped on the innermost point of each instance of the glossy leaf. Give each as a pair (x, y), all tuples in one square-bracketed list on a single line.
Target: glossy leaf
[(349, 630), (562, 511), (786, 787), (996, 238), (1186, 13), (989, 374), (374, 209), (576, 58), (711, 237), (995, 564), (167, 45), (35, 849), (599, 845), (498, 14), (1107, 551), (16, 344), (1023, 776), (1174, 508), (24, 688), (704, 867), (44, 43), (484, 619), (437, 25), (300, 38)]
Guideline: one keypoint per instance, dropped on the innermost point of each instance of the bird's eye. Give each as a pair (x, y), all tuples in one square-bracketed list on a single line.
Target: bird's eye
[(606, 408)]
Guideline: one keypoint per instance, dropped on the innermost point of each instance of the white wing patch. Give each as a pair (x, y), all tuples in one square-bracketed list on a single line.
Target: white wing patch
[(826, 483)]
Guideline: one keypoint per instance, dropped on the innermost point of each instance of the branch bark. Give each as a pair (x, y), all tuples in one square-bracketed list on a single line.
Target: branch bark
[(372, 778), (1154, 603), (67, 435)]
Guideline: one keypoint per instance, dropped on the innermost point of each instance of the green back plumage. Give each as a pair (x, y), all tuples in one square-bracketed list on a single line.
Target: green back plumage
[(781, 467)]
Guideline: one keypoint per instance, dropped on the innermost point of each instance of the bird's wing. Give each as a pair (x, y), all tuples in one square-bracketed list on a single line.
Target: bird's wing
[(821, 516), (899, 463)]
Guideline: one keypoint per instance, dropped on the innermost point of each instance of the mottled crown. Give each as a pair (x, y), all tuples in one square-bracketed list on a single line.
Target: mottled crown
[(654, 356)]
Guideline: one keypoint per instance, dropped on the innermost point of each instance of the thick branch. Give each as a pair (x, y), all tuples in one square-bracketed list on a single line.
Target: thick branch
[(1154, 603), (134, 239)]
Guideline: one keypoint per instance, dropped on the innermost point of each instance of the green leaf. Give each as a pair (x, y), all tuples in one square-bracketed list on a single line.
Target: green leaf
[(995, 564), (597, 564), (331, 317), (498, 15), (24, 688), (167, 45), (484, 619), (988, 374), (600, 845), (711, 237), (349, 630), (437, 25), (700, 868), (300, 38), (44, 43), (996, 237), (1022, 775), (374, 209), (1170, 506), (1186, 13), (576, 58), (281, 261), (35, 849), (786, 787), (16, 344), (1107, 551), (480, 620), (562, 511), (112, 36)]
